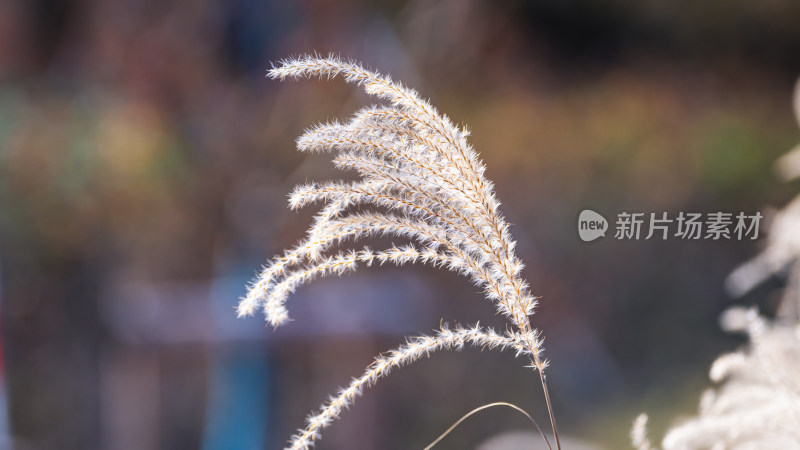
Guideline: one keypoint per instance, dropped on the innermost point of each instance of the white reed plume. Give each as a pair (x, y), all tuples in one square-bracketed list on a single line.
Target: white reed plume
[(758, 403), (639, 434), (423, 181)]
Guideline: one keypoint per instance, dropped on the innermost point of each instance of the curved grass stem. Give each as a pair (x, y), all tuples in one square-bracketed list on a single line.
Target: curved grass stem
[(481, 408)]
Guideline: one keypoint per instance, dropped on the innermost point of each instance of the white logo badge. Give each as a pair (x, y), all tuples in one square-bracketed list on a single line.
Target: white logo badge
[(591, 225)]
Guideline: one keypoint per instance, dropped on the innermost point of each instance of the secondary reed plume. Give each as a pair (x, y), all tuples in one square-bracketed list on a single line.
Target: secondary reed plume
[(757, 405), (423, 181)]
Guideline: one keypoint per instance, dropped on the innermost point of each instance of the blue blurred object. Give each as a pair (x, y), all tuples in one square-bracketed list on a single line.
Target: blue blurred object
[(237, 408), (237, 412)]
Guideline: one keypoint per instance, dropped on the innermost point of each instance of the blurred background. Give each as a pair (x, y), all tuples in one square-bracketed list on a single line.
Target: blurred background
[(144, 167)]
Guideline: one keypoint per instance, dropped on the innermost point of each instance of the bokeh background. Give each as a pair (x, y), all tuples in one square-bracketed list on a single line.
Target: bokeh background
[(144, 167)]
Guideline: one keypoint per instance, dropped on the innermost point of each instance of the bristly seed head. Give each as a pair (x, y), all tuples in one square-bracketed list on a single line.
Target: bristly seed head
[(425, 183)]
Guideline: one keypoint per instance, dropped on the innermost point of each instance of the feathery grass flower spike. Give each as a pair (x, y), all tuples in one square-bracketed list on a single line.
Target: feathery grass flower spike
[(423, 181)]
